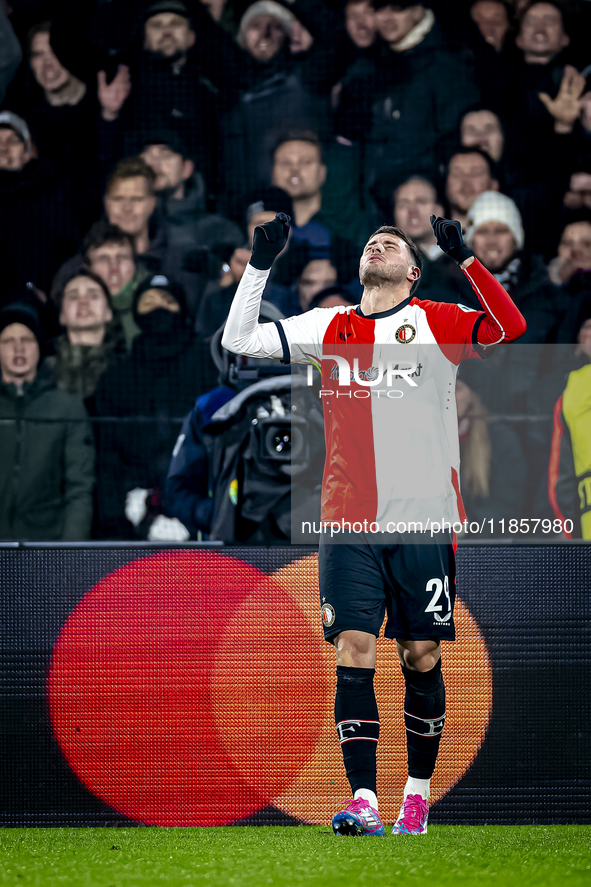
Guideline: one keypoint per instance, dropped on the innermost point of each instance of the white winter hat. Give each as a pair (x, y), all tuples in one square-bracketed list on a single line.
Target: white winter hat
[(491, 206), (266, 7), (9, 120)]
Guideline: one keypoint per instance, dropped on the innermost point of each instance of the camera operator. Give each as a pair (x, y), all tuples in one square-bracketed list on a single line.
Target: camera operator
[(240, 449)]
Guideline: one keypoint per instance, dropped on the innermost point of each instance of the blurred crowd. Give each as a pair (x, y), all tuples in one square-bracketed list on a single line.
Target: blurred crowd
[(142, 142)]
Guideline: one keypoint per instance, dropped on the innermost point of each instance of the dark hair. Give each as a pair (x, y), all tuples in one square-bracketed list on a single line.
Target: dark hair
[(418, 177), (568, 217), (82, 271), (329, 291), (103, 232), (39, 28), (413, 249), (562, 8), (305, 135), (129, 168), (494, 169), (478, 107), (509, 9)]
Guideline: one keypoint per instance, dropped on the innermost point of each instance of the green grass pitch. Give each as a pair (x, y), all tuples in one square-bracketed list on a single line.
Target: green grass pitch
[(520, 856)]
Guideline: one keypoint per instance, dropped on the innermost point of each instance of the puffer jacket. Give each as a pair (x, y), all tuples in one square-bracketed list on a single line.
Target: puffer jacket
[(46, 463)]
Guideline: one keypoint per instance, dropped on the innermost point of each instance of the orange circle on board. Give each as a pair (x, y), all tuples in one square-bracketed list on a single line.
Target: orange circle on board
[(169, 694), (268, 693), (321, 785)]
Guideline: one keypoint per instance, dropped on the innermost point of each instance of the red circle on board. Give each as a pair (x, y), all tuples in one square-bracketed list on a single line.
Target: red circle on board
[(156, 688)]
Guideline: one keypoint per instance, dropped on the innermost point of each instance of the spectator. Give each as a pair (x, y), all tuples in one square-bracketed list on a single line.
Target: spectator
[(159, 381), (312, 277), (543, 109), (358, 47), (204, 237), (578, 194), (16, 148), (299, 171), (264, 30), (63, 112), (55, 99), (495, 233), (175, 172), (108, 252), (217, 298), (401, 110), (493, 49), (130, 200), (130, 204), (168, 88), (47, 465), (316, 276), (569, 472), (37, 226), (574, 250), (493, 20), (91, 341), (542, 35), (415, 201), (542, 38), (263, 205), (274, 80), (482, 128), (470, 172), (492, 465), (360, 23), (571, 269), (10, 52), (300, 40)]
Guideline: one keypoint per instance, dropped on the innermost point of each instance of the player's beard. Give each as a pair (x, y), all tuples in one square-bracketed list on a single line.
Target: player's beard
[(374, 274)]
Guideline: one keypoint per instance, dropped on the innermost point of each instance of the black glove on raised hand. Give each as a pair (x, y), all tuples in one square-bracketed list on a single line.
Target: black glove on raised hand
[(268, 241), (449, 238)]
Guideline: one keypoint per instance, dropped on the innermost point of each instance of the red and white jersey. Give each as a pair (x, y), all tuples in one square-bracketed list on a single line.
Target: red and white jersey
[(388, 390), (392, 442)]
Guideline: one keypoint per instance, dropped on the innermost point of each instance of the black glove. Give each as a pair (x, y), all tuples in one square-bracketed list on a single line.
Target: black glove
[(450, 240), (268, 241)]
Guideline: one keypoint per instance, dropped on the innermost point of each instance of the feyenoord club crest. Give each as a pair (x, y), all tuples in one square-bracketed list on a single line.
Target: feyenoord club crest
[(328, 614), (405, 333)]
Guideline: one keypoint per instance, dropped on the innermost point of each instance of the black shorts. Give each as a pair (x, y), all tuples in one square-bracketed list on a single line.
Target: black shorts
[(415, 584)]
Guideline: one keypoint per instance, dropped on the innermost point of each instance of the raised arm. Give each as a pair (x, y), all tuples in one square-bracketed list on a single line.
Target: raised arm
[(243, 334), (502, 321)]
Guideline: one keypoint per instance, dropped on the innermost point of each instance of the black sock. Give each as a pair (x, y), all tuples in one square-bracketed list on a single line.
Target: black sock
[(424, 717), (358, 726)]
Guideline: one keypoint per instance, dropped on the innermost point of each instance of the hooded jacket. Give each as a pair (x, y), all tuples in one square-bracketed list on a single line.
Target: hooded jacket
[(46, 463)]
